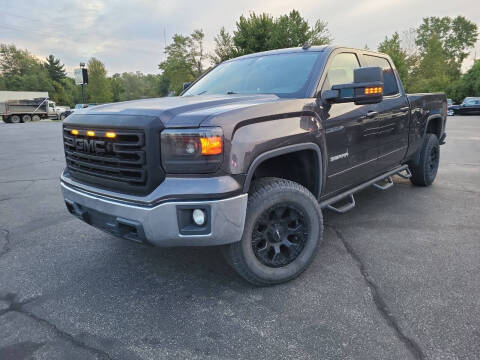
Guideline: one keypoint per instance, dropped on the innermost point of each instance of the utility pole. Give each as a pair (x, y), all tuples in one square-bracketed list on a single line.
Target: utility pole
[(82, 65)]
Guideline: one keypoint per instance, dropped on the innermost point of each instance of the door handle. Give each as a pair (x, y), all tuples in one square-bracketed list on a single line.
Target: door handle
[(371, 114)]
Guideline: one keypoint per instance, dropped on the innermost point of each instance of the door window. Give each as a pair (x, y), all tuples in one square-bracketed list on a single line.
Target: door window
[(390, 86), (340, 70)]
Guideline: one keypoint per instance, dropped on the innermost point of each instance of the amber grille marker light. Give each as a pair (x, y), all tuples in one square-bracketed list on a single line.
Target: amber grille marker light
[(373, 90), (211, 145), (74, 132), (110, 134), (90, 133)]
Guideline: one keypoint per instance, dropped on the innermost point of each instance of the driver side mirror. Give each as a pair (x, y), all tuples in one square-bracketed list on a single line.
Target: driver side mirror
[(186, 85), (367, 88)]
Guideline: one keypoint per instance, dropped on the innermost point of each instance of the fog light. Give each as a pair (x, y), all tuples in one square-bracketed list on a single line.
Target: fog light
[(198, 216)]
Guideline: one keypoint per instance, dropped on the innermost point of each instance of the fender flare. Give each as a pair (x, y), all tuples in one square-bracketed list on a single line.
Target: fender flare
[(287, 150), (434, 117), (416, 156)]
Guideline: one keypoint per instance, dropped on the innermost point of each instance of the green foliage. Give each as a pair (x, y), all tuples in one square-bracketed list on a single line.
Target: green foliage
[(224, 47), (467, 85), (391, 46), (253, 34), (184, 62), (431, 75), (456, 36), (262, 32), (292, 30), (16, 62), (441, 46), (55, 70), (98, 89)]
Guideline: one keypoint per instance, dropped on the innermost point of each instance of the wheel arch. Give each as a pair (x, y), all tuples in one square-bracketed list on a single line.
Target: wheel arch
[(317, 171), (434, 125)]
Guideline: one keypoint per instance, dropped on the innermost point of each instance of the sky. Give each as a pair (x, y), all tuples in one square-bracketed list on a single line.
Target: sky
[(129, 35)]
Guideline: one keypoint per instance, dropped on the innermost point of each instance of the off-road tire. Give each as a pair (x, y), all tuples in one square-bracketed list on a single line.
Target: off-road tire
[(425, 171), (265, 194), (26, 118)]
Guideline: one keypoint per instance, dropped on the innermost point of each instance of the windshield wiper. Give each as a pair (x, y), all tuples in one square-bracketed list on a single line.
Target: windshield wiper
[(231, 92), (201, 92)]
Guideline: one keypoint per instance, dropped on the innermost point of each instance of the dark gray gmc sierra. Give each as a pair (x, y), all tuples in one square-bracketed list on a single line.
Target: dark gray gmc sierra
[(250, 153)]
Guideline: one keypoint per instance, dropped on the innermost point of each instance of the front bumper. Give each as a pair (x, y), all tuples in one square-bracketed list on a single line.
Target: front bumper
[(159, 224)]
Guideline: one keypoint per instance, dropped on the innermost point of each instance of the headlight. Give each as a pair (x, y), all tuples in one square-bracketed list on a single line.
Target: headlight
[(192, 151)]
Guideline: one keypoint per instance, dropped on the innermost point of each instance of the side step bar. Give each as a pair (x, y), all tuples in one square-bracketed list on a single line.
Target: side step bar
[(329, 203)]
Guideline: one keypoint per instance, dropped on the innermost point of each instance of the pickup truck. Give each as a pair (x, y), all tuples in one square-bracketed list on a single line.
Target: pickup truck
[(250, 154)]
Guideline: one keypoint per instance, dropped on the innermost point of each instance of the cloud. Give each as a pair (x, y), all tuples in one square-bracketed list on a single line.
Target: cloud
[(129, 35)]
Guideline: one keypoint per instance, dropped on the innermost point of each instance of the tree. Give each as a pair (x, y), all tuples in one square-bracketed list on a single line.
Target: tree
[(99, 88), (56, 70), (432, 73), (184, 60), (392, 47), (20, 70), (224, 47), (456, 37), (292, 30), (253, 33), (14, 61), (116, 84), (467, 85), (262, 32)]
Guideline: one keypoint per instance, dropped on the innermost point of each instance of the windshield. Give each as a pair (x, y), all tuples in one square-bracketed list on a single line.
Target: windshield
[(285, 75)]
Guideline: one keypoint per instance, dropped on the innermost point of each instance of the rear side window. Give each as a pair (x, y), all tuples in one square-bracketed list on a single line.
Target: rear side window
[(340, 70), (390, 86)]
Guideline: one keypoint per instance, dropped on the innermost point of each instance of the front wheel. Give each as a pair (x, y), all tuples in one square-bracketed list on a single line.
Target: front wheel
[(283, 228), (425, 171)]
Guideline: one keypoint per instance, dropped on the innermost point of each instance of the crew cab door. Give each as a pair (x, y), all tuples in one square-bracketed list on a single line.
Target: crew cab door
[(391, 122), (351, 150)]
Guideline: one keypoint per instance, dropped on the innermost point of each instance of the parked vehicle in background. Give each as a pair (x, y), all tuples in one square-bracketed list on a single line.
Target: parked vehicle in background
[(26, 110), (249, 155), (449, 104), (469, 106), (78, 107)]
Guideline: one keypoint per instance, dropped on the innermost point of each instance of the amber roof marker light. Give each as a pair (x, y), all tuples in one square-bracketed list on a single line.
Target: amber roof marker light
[(110, 134)]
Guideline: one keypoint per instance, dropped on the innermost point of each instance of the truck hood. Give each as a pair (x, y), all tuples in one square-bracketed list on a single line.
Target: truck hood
[(188, 111)]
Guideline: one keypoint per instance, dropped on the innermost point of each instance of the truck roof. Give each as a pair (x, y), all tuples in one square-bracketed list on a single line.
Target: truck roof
[(300, 49)]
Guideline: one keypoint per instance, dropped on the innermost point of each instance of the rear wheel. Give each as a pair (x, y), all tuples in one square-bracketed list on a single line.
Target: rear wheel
[(425, 171), (15, 119), (35, 118), (283, 228), (26, 118)]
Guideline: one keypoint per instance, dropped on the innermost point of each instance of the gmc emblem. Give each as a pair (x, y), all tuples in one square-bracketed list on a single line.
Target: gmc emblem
[(90, 145)]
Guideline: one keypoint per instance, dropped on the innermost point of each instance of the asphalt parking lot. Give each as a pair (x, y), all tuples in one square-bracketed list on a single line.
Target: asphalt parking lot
[(398, 277)]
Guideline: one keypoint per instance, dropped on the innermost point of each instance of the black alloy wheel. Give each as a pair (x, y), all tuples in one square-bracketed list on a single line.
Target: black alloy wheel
[(279, 235)]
